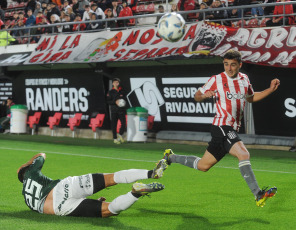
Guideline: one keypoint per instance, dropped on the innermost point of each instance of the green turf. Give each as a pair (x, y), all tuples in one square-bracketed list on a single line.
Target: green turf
[(218, 199)]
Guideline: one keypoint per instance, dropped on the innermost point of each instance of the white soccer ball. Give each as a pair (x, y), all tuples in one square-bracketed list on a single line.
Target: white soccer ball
[(171, 27), (121, 102)]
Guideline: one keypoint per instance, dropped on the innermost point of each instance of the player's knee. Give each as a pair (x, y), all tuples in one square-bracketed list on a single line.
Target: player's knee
[(204, 168), (244, 155)]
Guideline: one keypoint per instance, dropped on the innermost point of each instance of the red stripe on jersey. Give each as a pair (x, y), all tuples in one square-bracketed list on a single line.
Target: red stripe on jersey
[(238, 104), (228, 102)]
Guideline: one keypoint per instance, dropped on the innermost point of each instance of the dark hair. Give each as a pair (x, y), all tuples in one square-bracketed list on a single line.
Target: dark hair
[(116, 79), (233, 54), (22, 173)]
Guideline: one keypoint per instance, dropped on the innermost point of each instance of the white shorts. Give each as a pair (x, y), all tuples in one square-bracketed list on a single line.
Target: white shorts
[(70, 192)]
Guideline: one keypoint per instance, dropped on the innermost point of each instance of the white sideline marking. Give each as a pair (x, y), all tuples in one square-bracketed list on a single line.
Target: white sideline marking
[(124, 159)]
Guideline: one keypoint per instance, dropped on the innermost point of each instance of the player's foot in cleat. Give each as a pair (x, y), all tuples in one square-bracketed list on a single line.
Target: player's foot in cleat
[(264, 194), (116, 141), (144, 189), (158, 170), (120, 138), (167, 154)]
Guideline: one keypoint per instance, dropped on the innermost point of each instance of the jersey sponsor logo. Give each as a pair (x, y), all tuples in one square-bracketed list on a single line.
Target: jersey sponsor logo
[(32, 193), (234, 96), (66, 196)]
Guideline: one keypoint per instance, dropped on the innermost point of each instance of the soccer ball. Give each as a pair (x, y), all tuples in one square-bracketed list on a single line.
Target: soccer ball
[(171, 27), (121, 102)]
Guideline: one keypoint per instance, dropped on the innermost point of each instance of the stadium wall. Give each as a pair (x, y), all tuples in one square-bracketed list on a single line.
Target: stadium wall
[(164, 87)]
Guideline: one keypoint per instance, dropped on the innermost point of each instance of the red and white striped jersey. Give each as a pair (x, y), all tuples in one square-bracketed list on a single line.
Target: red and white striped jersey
[(230, 95)]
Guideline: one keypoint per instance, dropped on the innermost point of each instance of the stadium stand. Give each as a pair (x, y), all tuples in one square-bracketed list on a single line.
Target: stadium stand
[(74, 122), (96, 123), (33, 121), (54, 121)]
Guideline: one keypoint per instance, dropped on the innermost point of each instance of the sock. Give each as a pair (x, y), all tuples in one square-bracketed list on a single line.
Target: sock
[(129, 176), (189, 161), (122, 203), (247, 173), (149, 174)]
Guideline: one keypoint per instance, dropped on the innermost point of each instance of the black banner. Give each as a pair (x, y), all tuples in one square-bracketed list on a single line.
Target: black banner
[(67, 91)]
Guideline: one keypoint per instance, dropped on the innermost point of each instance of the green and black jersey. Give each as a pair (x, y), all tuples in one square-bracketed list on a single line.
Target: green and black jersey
[(36, 186)]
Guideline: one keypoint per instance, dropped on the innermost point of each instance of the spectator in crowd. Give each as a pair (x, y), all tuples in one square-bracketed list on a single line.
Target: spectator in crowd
[(71, 14), (57, 2), (19, 32), (174, 8), (86, 16), (2, 14), (109, 14), (203, 15), (82, 4), (78, 27), (132, 4), (54, 18), (255, 11), (53, 10), (39, 17), (41, 30), (75, 6), (31, 21), (217, 13), (37, 8), (281, 20), (241, 12), (117, 113), (160, 10), (43, 6), (104, 4), (100, 13), (67, 28), (4, 121), (116, 9), (268, 9), (13, 22), (94, 25), (126, 12), (30, 5), (186, 5), (65, 6), (208, 2)]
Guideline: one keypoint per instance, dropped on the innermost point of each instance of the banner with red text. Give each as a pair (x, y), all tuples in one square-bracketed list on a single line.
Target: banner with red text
[(264, 46)]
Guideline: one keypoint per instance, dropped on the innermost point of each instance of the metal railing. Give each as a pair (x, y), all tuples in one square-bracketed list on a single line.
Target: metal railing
[(29, 35)]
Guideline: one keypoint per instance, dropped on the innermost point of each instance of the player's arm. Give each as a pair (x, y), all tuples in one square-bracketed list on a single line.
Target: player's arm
[(31, 160), (258, 96), (199, 96)]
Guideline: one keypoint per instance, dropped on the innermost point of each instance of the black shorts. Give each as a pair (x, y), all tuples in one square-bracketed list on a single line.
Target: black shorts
[(223, 138)]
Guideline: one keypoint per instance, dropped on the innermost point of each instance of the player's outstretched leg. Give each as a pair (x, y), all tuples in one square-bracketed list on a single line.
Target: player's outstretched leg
[(189, 161), (264, 194), (123, 202)]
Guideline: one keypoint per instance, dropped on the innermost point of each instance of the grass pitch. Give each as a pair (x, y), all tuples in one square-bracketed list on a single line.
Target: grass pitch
[(218, 199)]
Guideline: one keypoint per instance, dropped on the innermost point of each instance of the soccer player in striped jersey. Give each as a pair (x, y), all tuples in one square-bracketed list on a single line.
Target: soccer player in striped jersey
[(67, 197), (231, 89)]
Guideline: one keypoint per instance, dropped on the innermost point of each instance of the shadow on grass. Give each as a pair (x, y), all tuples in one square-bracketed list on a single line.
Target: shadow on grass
[(192, 221), (65, 220)]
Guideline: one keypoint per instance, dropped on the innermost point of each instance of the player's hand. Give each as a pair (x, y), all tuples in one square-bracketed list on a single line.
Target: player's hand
[(209, 94), (274, 84), (102, 199)]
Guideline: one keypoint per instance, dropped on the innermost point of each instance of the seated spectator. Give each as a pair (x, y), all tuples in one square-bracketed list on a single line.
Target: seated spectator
[(268, 9), (13, 22), (82, 4), (39, 17), (86, 16), (57, 2), (281, 20), (126, 12), (100, 13), (160, 10), (53, 9), (104, 4), (41, 30), (65, 6), (78, 27), (217, 13), (4, 121), (54, 18), (241, 12), (109, 14), (208, 2), (71, 14), (43, 6), (116, 8), (75, 6), (203, 15), (37, 8), (30, 5), (94, 25), (67, 28), (174, 8), (31, 20), (255, 11), (186, 5)]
